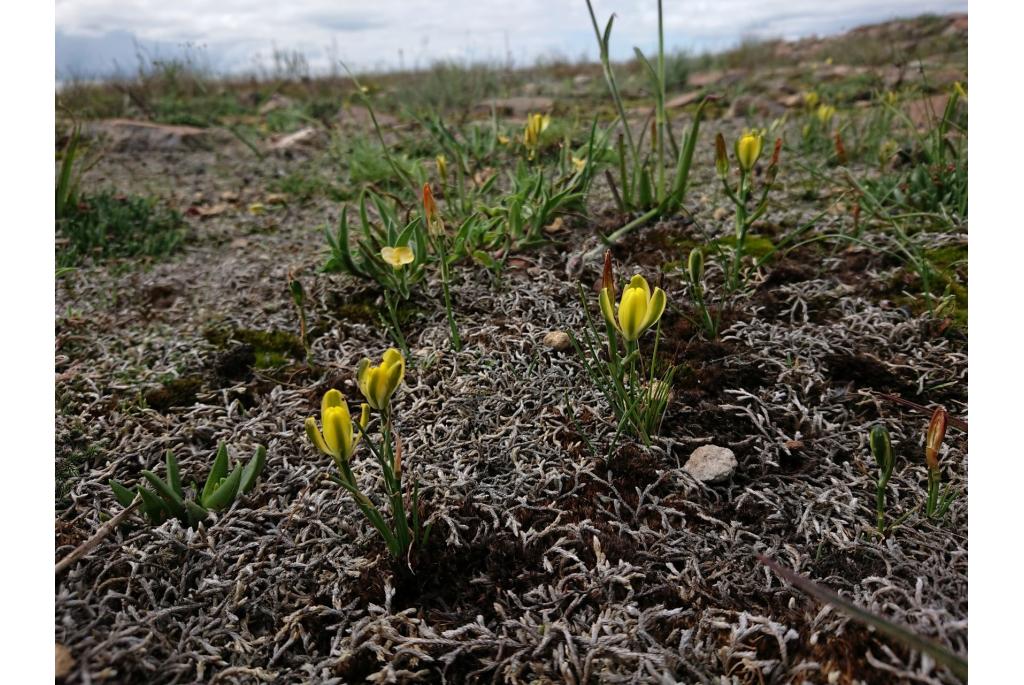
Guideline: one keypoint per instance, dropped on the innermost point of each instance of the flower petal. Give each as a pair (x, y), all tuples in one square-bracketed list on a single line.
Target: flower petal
[(314, 435), (655, 308), (639, 281), (338, 431), (632, 312), (606, 308), (404, 255), (332, 398), (378, 387), (362, 376)]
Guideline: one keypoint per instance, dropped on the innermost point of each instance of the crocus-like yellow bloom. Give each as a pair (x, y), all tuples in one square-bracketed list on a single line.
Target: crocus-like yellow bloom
[(579, 164), (748, 149), (535, 125), (337, 439), (811, 99), (639, 308), (825, 113), (503, 140), (378, 383), (397, 257)]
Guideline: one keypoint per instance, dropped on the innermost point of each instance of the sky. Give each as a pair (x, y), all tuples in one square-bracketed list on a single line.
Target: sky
[(101, 37)]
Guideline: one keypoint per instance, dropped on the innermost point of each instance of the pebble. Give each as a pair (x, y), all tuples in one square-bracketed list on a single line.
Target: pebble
[(711, 463), (557, 340)]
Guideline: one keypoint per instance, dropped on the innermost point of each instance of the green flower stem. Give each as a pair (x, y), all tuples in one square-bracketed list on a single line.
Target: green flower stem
[(742, 225), (445, 277), (396, 330)]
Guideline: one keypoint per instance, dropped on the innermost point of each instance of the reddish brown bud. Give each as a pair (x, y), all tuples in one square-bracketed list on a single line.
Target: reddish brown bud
[(933, 439), (840, 150), (608, 275), (429, 207)]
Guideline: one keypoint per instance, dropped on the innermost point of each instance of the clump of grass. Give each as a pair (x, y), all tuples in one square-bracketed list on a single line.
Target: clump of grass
[(108, 225)]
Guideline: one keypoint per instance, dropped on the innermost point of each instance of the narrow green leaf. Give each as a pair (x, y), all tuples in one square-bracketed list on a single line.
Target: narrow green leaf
[(173, 474), (218, 472), (123, 495)]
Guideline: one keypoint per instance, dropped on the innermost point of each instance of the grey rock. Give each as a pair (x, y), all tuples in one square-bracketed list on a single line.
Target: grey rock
[(711, 463), (558, 340)]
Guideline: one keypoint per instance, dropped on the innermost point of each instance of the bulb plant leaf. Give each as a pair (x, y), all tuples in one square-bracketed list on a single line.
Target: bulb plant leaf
[(168, 497)]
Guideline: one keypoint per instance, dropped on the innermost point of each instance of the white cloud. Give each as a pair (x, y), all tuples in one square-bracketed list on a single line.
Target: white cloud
[(374, 33)]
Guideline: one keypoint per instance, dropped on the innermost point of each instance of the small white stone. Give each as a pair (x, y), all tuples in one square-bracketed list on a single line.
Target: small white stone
[(711, 463), (558, 340)]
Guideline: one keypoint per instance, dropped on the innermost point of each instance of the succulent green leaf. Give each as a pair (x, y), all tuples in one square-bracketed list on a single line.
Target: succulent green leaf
[(224, 494), (124, 496), (217, 473), (253, 469), (173, 502), (152, 506), (195, 513)]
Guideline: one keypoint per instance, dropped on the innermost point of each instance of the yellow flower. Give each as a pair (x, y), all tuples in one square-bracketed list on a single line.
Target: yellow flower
[(959, 89), (337, 439), (442, 167), (535, 125), (579, 164), (397, 257), (748, 149), (378, 383), (504, 140), (825, 113), (811, 99), (639, 308)]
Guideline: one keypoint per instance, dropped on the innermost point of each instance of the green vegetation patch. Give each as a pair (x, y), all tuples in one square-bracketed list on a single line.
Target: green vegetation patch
[(272, 349), (108, 225)]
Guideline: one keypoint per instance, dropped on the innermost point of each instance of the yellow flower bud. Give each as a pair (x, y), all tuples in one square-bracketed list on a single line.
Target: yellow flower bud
[(639, 308), (825, 114), (748, 149), (397, 257), (442, 168), (811, 100), (535, 125), (379, 383), (338, 439)]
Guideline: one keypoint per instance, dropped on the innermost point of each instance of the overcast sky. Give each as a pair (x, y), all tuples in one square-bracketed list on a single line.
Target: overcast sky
[(95, 36)]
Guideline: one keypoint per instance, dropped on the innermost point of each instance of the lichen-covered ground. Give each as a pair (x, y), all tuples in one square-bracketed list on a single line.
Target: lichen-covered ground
[(550, 561)]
